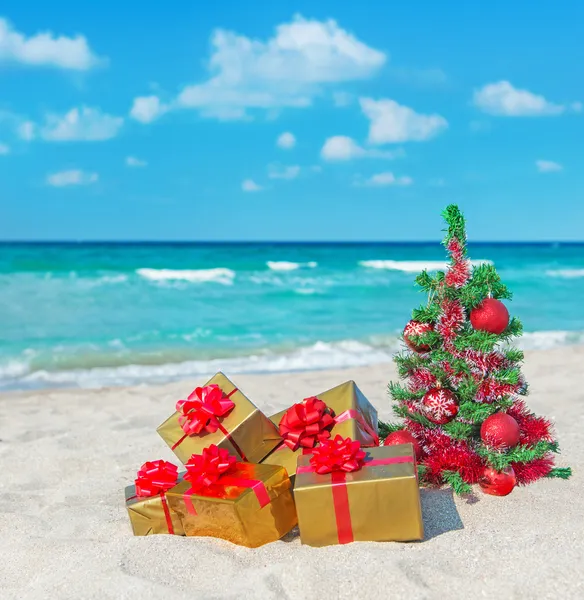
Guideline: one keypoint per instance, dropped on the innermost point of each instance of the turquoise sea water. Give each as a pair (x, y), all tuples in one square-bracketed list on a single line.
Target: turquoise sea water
[(113, 314)]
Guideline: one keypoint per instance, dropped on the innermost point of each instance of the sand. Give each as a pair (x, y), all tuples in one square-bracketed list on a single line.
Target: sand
[(67, 455)]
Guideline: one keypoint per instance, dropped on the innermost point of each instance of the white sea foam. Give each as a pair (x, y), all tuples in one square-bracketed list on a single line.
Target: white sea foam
[(217, 275), (18, 374), (100, 281), (413, 266), (321, 355), (113, 279), (544, 340), (284, 265), (566, 273)]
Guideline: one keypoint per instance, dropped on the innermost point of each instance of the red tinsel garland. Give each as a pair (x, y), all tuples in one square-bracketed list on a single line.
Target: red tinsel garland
[(485, 362), (459, 272), (491, 390), (532, 429), (532, 471), (457, 456), (451, 319), (454, 377), (421, 379)]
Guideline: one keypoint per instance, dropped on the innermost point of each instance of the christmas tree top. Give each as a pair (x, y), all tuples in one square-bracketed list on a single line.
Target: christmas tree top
[(461, 398)]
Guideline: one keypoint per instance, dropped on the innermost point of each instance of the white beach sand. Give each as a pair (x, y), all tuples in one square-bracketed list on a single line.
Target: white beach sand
[(66, 457)]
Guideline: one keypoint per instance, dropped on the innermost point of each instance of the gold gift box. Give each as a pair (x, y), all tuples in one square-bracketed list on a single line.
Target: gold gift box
[(383, 501), (233, 512), (249, 428), (346, 396), (147, 514)]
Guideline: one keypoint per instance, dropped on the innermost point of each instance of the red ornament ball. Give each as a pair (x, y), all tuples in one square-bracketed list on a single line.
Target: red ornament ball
[(440, 405), (498, 483), (500, 431), (490, 315), (403, 436), (417, 328)]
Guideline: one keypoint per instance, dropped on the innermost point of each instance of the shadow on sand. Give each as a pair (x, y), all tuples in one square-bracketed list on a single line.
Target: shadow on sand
[(439, 512)]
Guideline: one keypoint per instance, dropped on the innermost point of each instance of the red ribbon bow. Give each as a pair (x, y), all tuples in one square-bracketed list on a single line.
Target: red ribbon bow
[(200, 410), (155, 477), (205, 469), (337, 455), (307, 423)]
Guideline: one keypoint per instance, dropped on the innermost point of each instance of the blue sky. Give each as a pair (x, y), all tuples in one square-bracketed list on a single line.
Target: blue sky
[(122, 122)]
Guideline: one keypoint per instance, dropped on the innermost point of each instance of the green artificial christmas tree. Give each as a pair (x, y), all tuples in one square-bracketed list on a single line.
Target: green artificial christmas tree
[(461, 398)]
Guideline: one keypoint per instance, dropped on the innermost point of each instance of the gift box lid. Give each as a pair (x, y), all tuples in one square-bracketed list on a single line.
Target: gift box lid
[(274, 478), (396, 462), (341, 398)]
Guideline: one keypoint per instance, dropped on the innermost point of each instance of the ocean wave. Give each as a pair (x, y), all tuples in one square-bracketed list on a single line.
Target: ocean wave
[(545, 340), (29, 373), (413, 266), (321, 355), (217, 275), (284, 265), (100, 281), (566, 273)]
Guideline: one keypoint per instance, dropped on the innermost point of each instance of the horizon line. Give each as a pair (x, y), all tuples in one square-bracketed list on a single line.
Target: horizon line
[(281, 242)]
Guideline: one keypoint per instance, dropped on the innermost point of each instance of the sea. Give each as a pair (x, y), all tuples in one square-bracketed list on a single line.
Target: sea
[(105, 314)]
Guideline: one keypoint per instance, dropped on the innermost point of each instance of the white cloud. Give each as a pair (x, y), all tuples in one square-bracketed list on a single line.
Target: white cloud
[(502, 99), (548, 166), (286, 140), (45, 49), (391, 122), (249, 185), (4, 149), (342, 147), (342, 99), (386, 179), (437, 182), (576, 106), (278, 172), (147, 108), (72, 177), (27, 130), (132, 161), (287, 70), (81, 124)]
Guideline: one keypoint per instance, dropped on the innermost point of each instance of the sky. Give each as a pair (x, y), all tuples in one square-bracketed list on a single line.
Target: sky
[(240, 120)]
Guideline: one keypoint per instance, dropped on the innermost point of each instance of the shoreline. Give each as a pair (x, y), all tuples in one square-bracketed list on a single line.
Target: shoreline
[(201, 378)]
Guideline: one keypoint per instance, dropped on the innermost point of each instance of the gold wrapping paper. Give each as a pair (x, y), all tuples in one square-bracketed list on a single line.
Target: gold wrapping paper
[(251, 430), (346, 396), (147, 514), (384, 501), (234, 513)]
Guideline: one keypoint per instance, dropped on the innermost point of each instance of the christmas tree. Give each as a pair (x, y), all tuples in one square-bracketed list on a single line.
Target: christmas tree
[(461, 398)]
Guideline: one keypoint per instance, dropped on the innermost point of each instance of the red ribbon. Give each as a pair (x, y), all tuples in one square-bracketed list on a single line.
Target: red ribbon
[(306, 424), (355, 414), (201, 411), (339, 457), (155, 478), (205, 469), (213, 468)]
